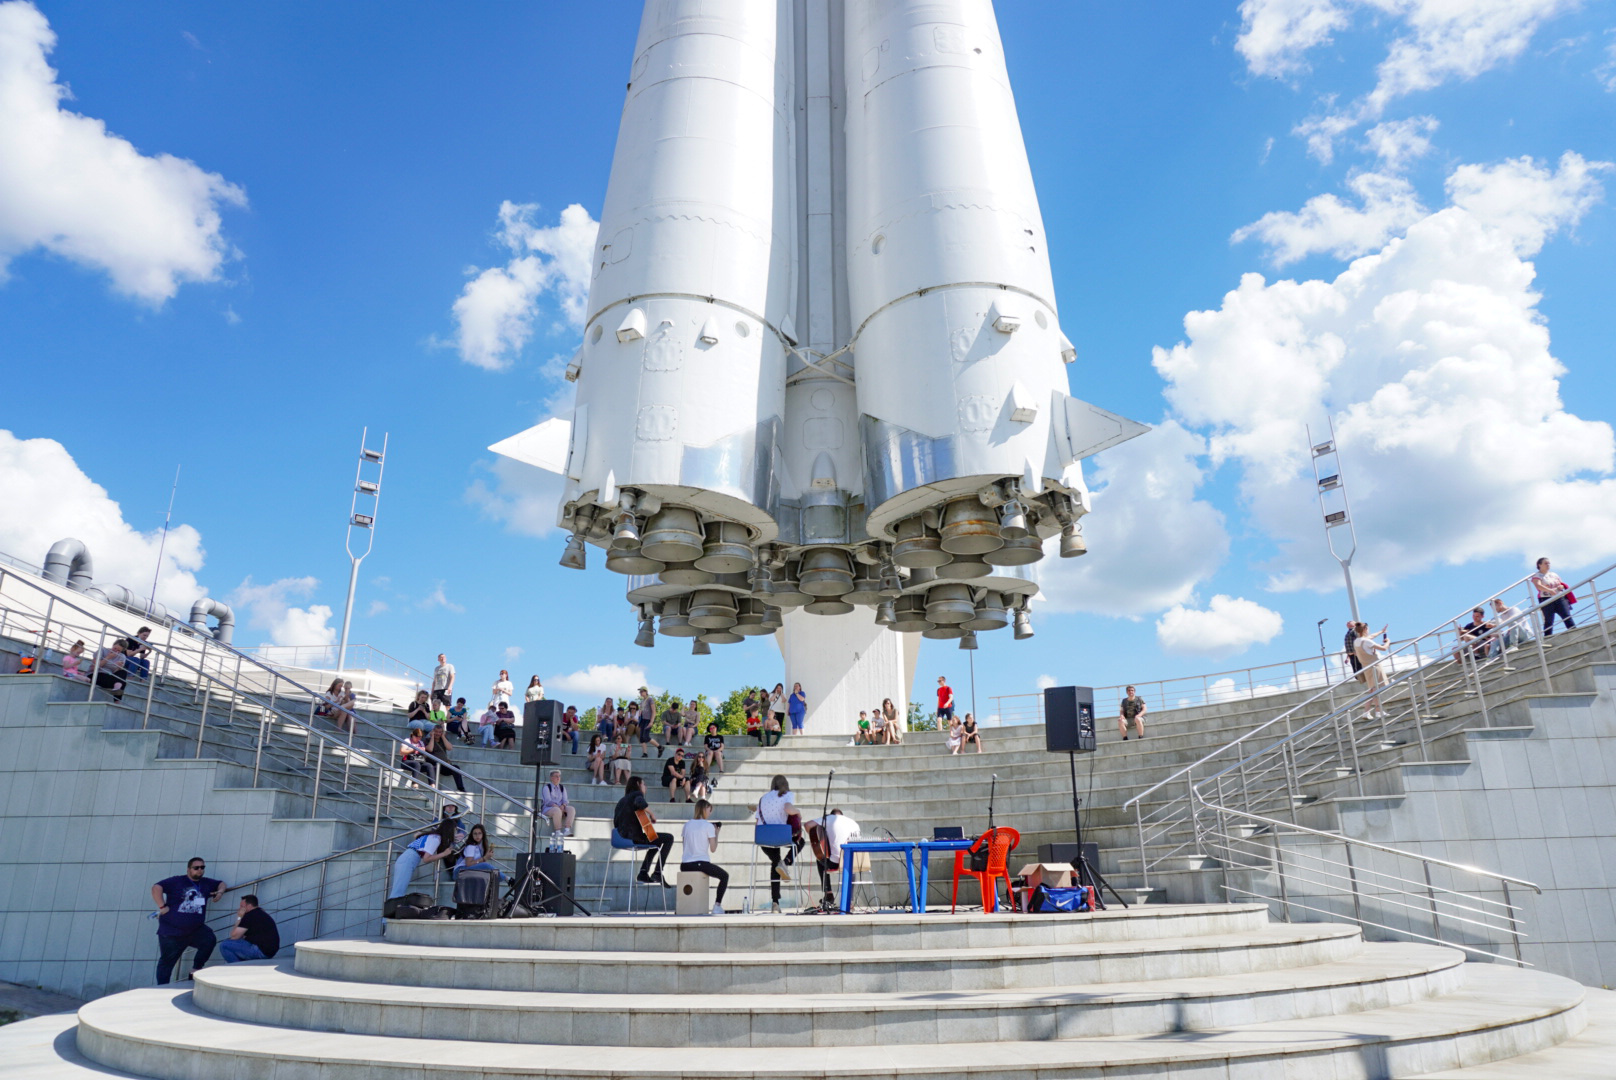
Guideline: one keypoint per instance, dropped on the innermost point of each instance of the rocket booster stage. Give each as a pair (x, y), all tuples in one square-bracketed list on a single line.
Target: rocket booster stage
[(823, 365)]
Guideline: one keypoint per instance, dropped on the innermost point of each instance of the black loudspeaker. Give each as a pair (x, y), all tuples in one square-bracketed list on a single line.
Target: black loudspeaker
[(540, 722), (1069, 719), (1067, 853), (561, 867)]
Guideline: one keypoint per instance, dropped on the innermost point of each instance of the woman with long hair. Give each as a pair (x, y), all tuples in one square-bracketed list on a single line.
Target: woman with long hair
[(797, 706), (606, 720), (622, 766), (437, 744), (535, 690), (502, 689), (596, 761), (477, 850), (419, 716), (894, 723), (431, 845), (327, 708)]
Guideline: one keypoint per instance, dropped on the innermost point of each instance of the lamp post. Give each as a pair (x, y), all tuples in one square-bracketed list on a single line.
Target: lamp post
[(1333, 504), (1324, 654), (371, 491)]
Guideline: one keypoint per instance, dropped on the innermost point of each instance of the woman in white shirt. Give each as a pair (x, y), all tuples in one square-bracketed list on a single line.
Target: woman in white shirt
[(1369, 652), (700, 843), (778, 807), (1552, 597), (535, 690), (503, 688)]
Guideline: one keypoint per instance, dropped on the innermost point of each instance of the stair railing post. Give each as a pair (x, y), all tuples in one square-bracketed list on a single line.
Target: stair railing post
[(151, 688), (1138, 820), (44, 634), (1430, 895), (1279, 872), (1468, 663), (1604, 631), (319, 898), (235, 693), (1352, 876), (1422, 700), (319, 763), (95, 669), (201, 671), (258, 751), (1514, 923), (376, 815), (202, 725)]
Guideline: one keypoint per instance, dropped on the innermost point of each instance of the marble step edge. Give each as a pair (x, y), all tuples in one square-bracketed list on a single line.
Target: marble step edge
[(1381, 976), (887, 972), (705, 934), (1498, 1014)]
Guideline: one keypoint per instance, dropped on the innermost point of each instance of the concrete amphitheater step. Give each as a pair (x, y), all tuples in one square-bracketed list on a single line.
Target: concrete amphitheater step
[(1498, 1013), (846, 933), (1379, 977), (1588, 1056), (826, 972)]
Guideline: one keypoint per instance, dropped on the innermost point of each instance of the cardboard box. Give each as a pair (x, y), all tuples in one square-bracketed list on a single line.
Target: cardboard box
[(1052, 875)]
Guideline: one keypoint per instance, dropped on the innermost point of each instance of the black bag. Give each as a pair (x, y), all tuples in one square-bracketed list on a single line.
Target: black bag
[(475, 891), (979, 854), (413, 903)]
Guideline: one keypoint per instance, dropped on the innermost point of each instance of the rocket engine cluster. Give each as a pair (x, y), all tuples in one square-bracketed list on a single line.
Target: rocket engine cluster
[(822, 367)]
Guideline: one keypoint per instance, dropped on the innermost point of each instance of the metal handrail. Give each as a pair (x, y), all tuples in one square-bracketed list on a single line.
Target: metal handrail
[(1387, 659), (1418, 898), (237, 691), (1293, 827)]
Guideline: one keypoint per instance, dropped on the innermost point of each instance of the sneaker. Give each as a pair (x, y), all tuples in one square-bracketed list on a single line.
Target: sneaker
[(661, 750), (782, 873), (644, 878), (662, 881), (774, 908), (718, 909)]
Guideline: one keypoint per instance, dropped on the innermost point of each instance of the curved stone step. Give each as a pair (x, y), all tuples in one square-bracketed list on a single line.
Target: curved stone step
[(1499, 1013), (1379, 977), (835, 933), (891, 971)]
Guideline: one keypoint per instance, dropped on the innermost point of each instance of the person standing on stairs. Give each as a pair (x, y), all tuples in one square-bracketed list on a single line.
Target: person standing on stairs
[(945, 703), (646, 716), (797, 707), (443, 677), (1553, 597), (535, 690), (1369, 653), (1131, 710), (502, 688), (182, 917)]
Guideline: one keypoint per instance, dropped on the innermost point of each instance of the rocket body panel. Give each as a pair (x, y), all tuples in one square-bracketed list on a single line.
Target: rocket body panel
[(682, 365), (823, 367), (945, 250)]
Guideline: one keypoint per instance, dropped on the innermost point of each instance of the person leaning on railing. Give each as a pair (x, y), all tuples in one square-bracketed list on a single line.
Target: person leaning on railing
[(1554, 597)]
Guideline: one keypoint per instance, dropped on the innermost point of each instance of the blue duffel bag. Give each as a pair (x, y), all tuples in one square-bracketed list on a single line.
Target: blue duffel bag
[(1075, 898)]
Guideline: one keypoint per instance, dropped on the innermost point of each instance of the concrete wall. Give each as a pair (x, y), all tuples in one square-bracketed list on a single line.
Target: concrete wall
[(91, 818), (1536, 801)]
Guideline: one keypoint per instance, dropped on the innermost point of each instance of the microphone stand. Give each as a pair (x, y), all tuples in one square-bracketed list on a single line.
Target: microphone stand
[(827, 903), (993, 787)]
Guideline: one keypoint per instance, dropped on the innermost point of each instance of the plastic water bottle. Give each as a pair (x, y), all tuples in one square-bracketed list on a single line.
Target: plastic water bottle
[(746, 903)]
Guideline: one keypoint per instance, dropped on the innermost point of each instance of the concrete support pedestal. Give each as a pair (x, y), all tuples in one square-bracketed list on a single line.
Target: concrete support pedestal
[(846, 663)]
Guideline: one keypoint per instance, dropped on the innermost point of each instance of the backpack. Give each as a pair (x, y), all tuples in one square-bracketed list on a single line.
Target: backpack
[(475, 891), (408, 906)]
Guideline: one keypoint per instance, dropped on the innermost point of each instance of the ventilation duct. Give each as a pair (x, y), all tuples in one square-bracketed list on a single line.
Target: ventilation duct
[(68, 563), (220, 610)]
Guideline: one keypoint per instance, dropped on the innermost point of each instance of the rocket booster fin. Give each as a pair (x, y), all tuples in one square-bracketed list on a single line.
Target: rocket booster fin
[(544, 445), (1083, 430)]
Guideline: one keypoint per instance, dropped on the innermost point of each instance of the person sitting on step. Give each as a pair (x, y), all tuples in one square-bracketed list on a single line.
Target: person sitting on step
[(676, 775), (626, 820)]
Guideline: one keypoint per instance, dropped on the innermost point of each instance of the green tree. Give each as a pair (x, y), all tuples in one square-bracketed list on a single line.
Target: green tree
[(918, 720)]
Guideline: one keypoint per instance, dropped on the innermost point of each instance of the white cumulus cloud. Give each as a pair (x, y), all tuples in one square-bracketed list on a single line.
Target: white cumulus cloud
[(1434, 359), (1229, 625), (597, 682), (1398, 142), (1386, 206), (269, 608), (46, 497), (495, 312), (72, 188), (1151, 541), (1433, 42), (1046, 681)]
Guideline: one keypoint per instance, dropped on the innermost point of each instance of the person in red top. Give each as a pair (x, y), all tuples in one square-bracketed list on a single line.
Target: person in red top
[(945, 702)]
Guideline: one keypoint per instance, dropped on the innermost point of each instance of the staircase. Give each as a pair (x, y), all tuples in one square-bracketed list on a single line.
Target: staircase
[(1159, 991)]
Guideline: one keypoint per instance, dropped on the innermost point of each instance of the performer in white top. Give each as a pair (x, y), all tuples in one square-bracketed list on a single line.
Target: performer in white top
[(838, 830), (700, 843)]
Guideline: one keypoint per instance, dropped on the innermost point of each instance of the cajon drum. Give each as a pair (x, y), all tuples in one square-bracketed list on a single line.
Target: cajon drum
[(691, 893)]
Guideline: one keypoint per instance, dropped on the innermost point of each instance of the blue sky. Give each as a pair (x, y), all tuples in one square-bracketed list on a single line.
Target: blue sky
[(271, 260)]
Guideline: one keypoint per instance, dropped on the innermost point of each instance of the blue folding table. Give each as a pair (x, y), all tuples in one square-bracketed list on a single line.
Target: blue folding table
[(926, 847), (907, 847)]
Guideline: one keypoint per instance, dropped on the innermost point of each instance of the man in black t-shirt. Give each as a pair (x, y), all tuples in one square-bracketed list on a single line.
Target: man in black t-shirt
[(715, 752), (626, 821), (182, 917), (676, 775), (254, 937)]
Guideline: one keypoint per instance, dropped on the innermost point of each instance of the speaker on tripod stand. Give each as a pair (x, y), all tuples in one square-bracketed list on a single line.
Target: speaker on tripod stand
[(1069, 730)]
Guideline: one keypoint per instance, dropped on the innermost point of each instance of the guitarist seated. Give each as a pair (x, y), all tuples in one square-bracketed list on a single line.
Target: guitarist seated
[(828, 836), (633, 818)]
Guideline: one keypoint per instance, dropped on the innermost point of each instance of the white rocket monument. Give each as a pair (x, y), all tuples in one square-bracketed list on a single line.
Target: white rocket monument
[(822, 385)]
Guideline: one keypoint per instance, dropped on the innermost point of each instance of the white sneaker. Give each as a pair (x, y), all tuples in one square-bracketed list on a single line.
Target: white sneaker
[(718, 909)]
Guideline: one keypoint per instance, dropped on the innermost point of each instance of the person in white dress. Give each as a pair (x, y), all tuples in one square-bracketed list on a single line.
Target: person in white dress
[(502, 689)]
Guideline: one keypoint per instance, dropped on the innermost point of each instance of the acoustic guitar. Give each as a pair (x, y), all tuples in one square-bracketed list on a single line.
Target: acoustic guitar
[(647, 825)]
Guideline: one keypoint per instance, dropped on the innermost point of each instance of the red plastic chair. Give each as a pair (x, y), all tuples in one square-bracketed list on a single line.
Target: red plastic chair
[(1001, 842)]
